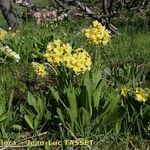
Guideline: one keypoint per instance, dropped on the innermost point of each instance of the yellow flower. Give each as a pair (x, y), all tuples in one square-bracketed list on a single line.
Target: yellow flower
[(50, 46), (58, 59), (60, 53), (3, 34), (57, 51), (79, 62), (49, 57), (67, 58), (67, 48), (124, 91), (141, 95), (57, 42), (7, 51), (98, 34), (39, 69), (95, 23)]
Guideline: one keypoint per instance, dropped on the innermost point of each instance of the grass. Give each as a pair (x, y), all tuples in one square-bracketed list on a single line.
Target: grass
[(130, 46)]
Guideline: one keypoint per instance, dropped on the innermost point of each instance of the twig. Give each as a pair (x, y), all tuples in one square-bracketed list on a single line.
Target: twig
[(19, 146), (40, 134)]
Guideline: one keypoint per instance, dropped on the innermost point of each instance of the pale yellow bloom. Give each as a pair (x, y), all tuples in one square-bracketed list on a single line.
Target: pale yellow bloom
[(3, 34), (98, 34), (57, 42), (95, 23), (124, 91), (50, 46), (67, 48), (7, 51), (39, 69), (141, 95), (67, 58), (79, 62), (56, 50), (60, 53)]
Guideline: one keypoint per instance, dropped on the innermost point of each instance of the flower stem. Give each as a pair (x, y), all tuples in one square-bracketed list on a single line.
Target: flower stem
[(94, 56)]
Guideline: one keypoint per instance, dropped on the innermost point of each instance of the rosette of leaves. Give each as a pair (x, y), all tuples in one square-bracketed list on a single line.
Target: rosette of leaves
[(35, 111)]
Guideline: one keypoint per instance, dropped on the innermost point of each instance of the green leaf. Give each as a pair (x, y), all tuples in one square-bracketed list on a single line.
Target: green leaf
[(3, 117), (96, 77), (2, 59), (97, 93), (107, 71), (27, 110), (2, 109), (110, 111), (72, 102), (118, 127), (10, 100), (55, 93), (29, 121), (47, 116), (37, 121), (85, 117), (88, 84), (111, 102), (16, 126), (32, 101), (4, 132), (128, 71), (41, 105), (59, 112), (22, 109), (146, 112)]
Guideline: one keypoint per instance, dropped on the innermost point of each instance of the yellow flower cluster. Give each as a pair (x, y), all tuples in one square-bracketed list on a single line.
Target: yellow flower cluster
[(56, 51), (10, 53), (79, 62), (3, 34), (39, 69), (124, 91), (98, 34), (59, 53), (140, 94)]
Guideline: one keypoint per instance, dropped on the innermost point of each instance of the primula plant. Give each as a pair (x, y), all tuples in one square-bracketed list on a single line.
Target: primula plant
[(137, 103), (61, 84), (97, 35), (80, 103), (79, 107), (67, 63), (139, 94)]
